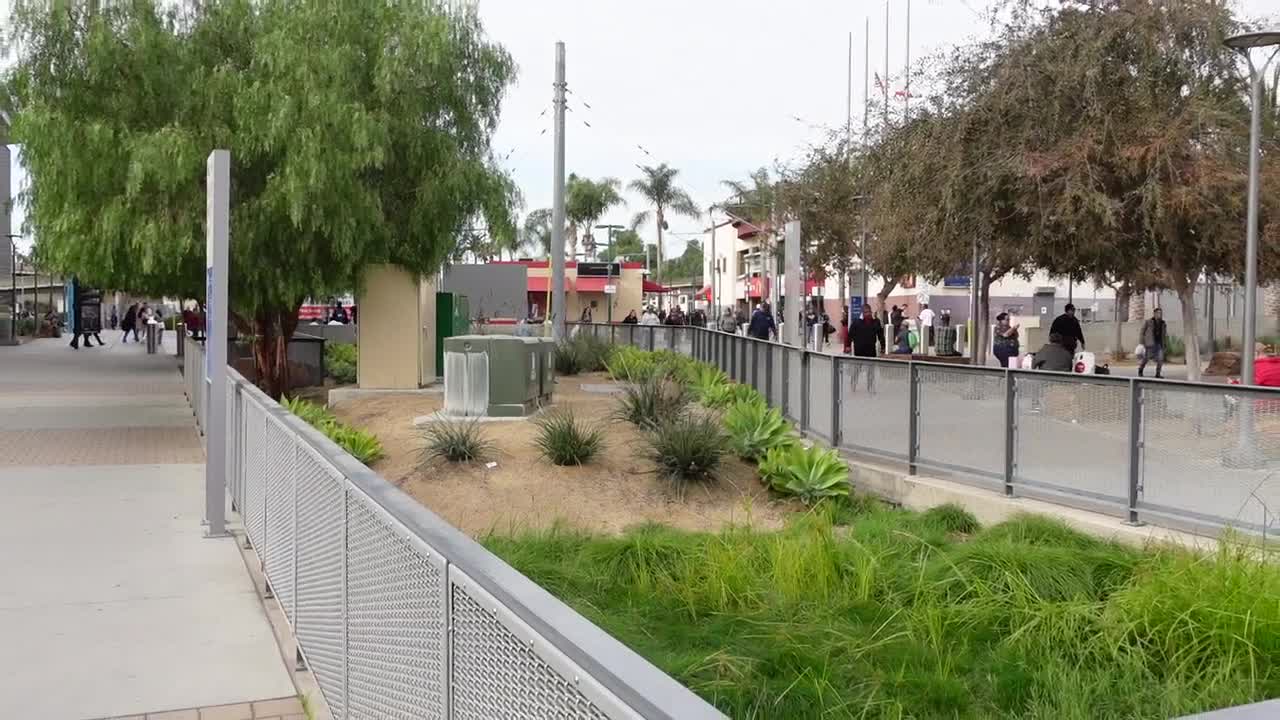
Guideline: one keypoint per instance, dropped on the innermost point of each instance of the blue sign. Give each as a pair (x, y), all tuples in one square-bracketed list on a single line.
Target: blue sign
[(956, 281), (855, 307)]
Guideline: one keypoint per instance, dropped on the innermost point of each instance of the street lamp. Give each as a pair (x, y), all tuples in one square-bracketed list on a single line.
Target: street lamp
[(609, 268), (1244, 43)]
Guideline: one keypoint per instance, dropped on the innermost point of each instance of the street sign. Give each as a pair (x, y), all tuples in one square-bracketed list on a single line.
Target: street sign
[(610, 289), (855, 307)]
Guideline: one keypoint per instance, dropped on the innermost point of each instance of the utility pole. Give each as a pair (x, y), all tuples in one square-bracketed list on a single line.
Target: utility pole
[(557, 206), (866, 78), (885, 80), (715, 265), (848, 95), (974, 333), (906, 71)]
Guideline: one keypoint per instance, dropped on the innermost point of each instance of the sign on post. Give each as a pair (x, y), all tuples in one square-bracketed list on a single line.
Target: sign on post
[(217, 219)]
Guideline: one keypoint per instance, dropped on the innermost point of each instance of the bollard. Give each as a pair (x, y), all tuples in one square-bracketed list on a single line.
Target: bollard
[(151, 338)]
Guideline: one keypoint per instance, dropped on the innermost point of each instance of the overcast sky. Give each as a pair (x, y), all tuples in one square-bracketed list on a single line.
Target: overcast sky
[(715, 88)]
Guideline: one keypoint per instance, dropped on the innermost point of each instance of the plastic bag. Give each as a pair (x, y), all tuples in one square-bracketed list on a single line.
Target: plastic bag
[(1140, 351)]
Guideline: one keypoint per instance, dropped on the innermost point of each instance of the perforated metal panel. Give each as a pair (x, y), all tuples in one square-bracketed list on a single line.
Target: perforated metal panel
[(255, 474), (874, 406), (502, 669), (775, 387), (794, 388), (1205, 459), (684, 340), (277, 553), (758, 373), (821, 394), (1072, 438), (396, 620), (962, 420), (320, 624), (662, 337)]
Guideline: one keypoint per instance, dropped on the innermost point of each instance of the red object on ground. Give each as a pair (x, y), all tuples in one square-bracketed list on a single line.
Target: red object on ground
[(1266, 371)]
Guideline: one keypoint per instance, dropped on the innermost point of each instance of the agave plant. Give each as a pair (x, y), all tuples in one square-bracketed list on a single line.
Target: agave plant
[(755, 429), (703, 379), (629, 364), (723, 396), (810, 474)]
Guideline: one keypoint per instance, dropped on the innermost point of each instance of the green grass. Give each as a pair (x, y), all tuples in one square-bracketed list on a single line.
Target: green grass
[(861, 611)]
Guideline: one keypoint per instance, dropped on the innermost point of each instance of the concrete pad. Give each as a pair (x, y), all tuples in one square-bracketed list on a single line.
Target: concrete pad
[(88, 417), (118, 603)]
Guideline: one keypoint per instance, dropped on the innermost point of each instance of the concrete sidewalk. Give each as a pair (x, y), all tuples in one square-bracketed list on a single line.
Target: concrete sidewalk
[(112, 601)]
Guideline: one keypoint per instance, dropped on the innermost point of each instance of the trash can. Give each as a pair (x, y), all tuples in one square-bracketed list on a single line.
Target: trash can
[(151, 338)]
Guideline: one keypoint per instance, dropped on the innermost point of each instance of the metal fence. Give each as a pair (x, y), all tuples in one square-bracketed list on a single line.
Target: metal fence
[(397, 613), (1190, 455)]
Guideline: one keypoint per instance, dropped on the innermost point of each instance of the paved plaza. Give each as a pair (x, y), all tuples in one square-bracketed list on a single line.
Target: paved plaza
[(113, 602)]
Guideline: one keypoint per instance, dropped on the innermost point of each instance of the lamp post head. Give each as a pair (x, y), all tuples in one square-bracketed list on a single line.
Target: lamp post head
[(1262, 37)]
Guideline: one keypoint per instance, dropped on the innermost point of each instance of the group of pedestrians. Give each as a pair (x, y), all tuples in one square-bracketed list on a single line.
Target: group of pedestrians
[(677, 316)]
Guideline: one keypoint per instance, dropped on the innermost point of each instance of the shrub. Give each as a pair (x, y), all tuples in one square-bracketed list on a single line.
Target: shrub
[(630, 364), (687, 449), (362, 445), (565, 441), (652, 402), (755, 428), (593, 352), (952, 518), (340, 361), (454, 441), (703, 379), (568, 358), (810, 474), (1174, 346), (725, 395)]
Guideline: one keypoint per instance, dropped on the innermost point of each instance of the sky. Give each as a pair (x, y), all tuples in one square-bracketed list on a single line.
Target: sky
[(714, 88)]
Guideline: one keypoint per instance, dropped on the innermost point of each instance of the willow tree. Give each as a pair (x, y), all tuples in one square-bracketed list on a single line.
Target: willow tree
[(359, 133)]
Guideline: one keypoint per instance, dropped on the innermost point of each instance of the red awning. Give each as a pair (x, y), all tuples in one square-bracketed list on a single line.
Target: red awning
[(653, 287), (704, 293), (538, 284), (594, 284)]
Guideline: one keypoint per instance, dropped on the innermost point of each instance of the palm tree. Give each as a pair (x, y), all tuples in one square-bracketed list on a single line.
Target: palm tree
[(536, 232), (585, 202), (659, 188)]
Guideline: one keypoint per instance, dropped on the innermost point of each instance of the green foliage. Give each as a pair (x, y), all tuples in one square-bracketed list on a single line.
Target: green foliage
[(1174, 346), (362, 445), (687, 448), (454, 441), (568, 358), (566, 441), (755, 429), (894, 616), (340, 361), (659, 189), (810, 474), (729, 394), (704, 379), (652, 403), (593, 352), (952, 518), (629, 364)]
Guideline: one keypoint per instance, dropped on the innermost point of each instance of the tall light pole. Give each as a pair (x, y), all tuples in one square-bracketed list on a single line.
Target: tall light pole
[(1246, 42), (557, 205)]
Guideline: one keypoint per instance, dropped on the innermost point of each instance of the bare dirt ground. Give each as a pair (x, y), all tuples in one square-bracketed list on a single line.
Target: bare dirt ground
[(613, 492)]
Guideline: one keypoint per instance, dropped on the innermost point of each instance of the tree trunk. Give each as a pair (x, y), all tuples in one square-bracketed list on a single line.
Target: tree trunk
[(1122, 300), (981, 327), (890, 284), (1138, 307), (1186, 289), (272, 329)]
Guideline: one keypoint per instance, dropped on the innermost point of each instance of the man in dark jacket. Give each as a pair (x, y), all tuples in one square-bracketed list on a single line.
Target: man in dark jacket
[(1153, 335), (762, 325), (1057, 355), (864, 334), (1068, 326)]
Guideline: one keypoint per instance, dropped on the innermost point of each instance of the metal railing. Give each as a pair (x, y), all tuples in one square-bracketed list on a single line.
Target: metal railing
[(397, 613), (1196, 456)]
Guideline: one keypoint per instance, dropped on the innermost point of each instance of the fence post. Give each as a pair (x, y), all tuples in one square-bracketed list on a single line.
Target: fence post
[(835, 400), (768, 376), (804, 391), (650, 338), (1010, 429), (613, 334), (755, 363), (913, 417), (1135, 448)]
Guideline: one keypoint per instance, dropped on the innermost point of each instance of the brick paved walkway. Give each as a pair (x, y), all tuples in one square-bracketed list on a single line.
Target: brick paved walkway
[(112, 602)]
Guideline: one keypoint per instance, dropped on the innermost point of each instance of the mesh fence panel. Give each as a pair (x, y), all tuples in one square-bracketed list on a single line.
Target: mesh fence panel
[(793, 387), (684, 340), (496, 673), (277, 551), (875, 403), (821, 394), (1204, 457), (1072, 437), (319, 623), (396, 621), (961, 421), (775, 385), (255, 474), (758, 366), (662, 337)]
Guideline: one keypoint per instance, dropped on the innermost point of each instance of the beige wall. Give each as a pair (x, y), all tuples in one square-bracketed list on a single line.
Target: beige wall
[(390, 327), (427, 331), (629, 296)]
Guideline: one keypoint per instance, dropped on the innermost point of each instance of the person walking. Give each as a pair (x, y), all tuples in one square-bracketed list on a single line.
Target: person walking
[(762, 325), (866, 334), (1004, 343), (895, 320), (843, 335), (1153, 335), (631, 318), (729, 322), (130, 323), (586, 315), (649, 317), (115, 318), (1067, 325), (926, 326)]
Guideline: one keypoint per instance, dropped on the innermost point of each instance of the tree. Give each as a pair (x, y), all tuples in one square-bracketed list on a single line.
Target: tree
[(625, 242), (688, 265), (359, 134), (535, 233), (585, 202), (658, 187)]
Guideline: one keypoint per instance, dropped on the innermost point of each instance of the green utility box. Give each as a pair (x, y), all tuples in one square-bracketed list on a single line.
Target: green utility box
[(494, 375), (453, 318), (546, 352)]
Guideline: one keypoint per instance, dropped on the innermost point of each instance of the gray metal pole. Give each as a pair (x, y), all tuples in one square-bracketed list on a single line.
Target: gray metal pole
[(973, 308), (1251, 233), (557, 205), (866, 77), (848, 95), (906, 71), (885, 79)]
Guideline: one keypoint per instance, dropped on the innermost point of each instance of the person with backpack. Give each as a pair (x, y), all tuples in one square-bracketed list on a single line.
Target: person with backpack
[(1154, 333)]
